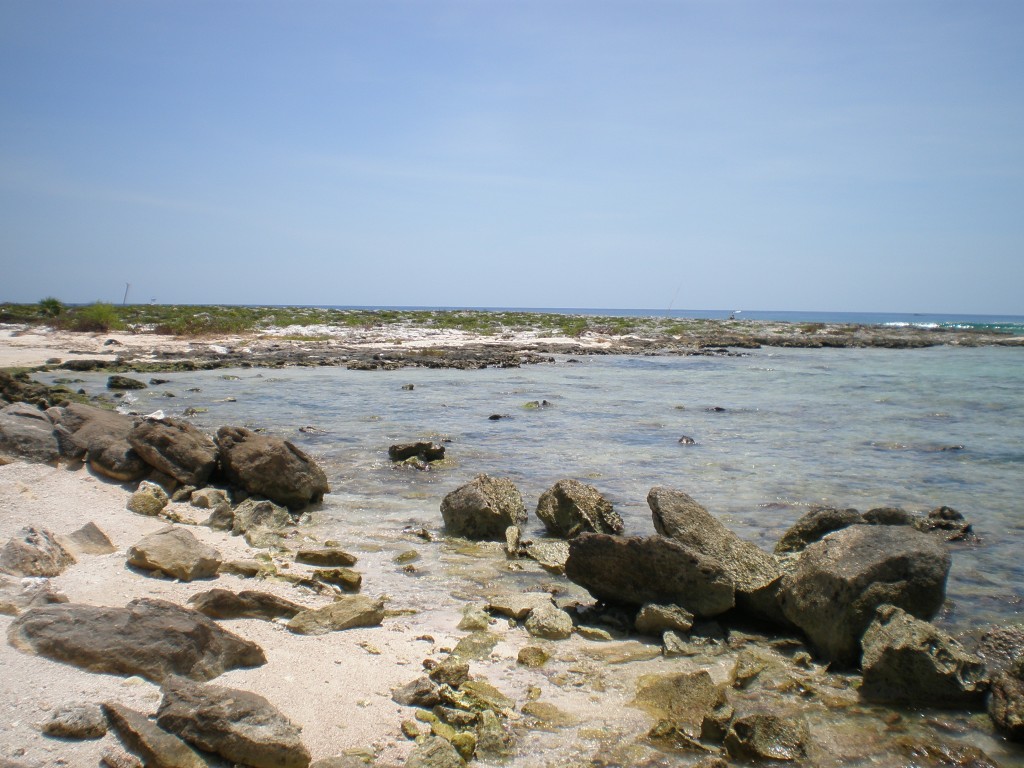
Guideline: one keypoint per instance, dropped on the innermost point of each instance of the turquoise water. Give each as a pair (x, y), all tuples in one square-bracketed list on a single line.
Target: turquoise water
[(850, 428)]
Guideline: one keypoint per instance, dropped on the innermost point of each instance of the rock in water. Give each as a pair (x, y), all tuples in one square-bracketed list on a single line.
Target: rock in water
[(549, 622), (434, 752), (240, 726), (1006, 704), (754, 573), (176, 448), (176, 552), (270, 467), (814, 525), (639, 570), (483, 508), (34, 552), (150, 638), (125, 382), (908, 661), (767, 737), (839, 581), (570, 507)]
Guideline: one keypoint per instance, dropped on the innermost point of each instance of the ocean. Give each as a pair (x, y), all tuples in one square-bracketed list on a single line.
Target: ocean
[(776, 432)]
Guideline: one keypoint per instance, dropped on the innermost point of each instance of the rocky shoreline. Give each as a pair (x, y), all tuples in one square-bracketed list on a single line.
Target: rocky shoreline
[(687, 647)]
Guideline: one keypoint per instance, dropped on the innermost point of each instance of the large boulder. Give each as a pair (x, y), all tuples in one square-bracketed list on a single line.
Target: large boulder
[(483, 508), (754, 572), (240, 726), (176, 448), (34, 552), (103, 436), (639, 570), (570, 507), (270, 467), (148, 637), (176, 552), (909, 661), (838, 582), (27, 433)]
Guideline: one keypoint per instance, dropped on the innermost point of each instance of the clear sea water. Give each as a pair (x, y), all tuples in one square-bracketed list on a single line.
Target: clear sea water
[(849, 428)]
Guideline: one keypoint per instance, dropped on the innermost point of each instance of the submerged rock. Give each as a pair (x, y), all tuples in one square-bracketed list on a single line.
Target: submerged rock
[(839, 581), (654, 569), (570, 507), (683, 699), (767, 737), (483, 508), (909, 661)]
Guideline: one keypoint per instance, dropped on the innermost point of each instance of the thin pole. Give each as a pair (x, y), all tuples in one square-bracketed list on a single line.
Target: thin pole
[(125, 299)]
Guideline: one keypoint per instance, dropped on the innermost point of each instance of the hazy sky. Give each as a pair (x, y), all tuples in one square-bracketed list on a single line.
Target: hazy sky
[(818, 155)]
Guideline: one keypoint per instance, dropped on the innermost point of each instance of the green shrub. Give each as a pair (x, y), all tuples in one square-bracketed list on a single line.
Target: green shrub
[(98, 317), (50, 307)]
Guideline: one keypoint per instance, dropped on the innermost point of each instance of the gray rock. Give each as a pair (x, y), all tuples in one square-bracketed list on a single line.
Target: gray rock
[(767, 737), (552, 555), (270, 467), (754, 572), (176, 448), (683, 699), (570, 507), (1006, 704), (103, 436), (814, 525), (483, 508), (839, 581), (208, 498), (176, 552), (225, 604), (27, 433), (549, 622), (347, 612), (149, 499), (655, 569), (150, 638), (237, 725), (909, 661), (34, 552), (1000, 646), (421, 692), (657, 619), (16, 597), (143, 737), (434, 752), (423, 450), (88, 540), (80, 720), (517, 605), (254, 515), (948, 523)]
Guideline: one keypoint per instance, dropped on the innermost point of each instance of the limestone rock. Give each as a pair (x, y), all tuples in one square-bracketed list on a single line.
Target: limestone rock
[(270, 467), (1000, 646), (255, 516), (343, 578), (16, 597), (493, 740), (909, 661), (143, 737), (151, 638), (657, 619), (325, 556), (517, 605), (34, 552), (421, 692), (817, 523), (423, 450), (434, 752), (27, 433), (551, 554), (150, 499), (570, 507), (483, 508), (88, 540), (176, 552), (655, 569), (80, 720), (237, 725), (176, 448), (225, 604), (839, 581), (347, 612), (103, 436), (682, 698), (549, 622), (208, 498), (124, 382), (1006, 704), (767, 737), (754, 572)]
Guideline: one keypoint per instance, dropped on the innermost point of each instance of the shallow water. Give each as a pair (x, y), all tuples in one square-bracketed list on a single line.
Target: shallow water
[(858, 428)]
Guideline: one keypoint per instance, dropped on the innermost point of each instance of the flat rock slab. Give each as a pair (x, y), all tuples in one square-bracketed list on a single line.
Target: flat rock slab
[(325, 556), (88, 540), (225, 604), (143, 737), (347, 612), (176, 552), (239, 726), (148, 637), (654, 569)]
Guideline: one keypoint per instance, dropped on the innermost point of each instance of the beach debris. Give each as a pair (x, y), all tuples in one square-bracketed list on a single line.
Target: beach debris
[(175, 448), (177, 553), (653, 569), (34, 552), (570, 507), (148, 637), (240, 726), (270, 467), (838, 582), (149, 499), (909, 661), (483, 508)]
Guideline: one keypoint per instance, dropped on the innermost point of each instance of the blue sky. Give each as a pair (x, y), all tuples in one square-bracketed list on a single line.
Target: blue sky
[(857, 156)]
